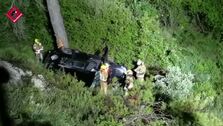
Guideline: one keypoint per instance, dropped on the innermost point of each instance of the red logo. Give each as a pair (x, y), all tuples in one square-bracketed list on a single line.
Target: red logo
[(14, 14)]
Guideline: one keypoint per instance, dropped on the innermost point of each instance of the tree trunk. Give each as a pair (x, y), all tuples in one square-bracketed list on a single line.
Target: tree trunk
[(57, 22)]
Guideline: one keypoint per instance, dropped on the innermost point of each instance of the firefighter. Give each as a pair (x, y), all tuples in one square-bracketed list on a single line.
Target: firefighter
[(96, 81), (128, 81), (38, 48), (104, 78), (140, 70)]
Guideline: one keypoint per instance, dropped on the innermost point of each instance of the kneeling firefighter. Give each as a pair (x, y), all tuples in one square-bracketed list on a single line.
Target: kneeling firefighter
[(128, 81)]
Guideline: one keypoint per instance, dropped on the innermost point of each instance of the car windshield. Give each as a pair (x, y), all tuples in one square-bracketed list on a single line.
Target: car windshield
[(81, 56), (76, 56), (79, 64)]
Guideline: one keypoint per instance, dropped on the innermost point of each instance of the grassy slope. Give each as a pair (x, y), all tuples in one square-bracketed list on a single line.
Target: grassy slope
[(130, 35)]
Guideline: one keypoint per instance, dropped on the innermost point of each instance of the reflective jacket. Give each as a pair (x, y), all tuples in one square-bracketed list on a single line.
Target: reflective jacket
[(104, 75), (140, 71), (37, 47)]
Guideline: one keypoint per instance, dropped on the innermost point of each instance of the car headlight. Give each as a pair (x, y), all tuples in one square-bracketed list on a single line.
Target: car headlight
[(123, 69), (93, 70), (54, 57)]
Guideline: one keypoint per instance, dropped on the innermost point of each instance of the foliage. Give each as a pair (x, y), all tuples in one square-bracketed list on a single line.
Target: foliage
[(73, 103), (93, 23), (131, 35), (206, 119), (176, 84)]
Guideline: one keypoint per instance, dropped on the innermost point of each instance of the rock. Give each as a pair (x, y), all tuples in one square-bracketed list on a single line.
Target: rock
[(29, 73), (16, 75), (39, 82), (15, 72)]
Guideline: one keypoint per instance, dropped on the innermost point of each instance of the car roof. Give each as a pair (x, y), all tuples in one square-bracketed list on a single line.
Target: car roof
[(76, 54), (73, 53)]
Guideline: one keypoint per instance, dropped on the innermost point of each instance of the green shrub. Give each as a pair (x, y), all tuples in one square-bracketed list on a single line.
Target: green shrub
[(176, 84), (208, 119)]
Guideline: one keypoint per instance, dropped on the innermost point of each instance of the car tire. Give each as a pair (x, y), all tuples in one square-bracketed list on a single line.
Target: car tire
[(62, 69), (50, 65)]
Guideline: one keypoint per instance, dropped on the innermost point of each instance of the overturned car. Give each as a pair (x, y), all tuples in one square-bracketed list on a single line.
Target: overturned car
[(86, 64)]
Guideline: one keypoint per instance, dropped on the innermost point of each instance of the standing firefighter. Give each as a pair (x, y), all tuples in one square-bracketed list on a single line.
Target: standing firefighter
[(140, 70), (104, 78), (128, 81), (38, 48)]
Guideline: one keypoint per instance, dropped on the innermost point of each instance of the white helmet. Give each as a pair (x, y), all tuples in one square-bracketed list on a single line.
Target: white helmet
[(139, 62), (107, 65)]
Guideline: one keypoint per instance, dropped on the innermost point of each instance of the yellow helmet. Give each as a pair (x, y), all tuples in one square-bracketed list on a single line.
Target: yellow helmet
[(103, 67), (37, 40)]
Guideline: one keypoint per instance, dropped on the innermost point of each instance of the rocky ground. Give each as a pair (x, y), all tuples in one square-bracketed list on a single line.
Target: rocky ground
[(16, 75)]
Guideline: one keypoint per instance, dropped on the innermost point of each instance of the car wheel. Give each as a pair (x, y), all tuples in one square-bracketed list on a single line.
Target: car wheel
[(62, 69), (50, 65)]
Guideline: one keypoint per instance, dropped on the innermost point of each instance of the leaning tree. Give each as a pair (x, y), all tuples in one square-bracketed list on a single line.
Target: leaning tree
[(57, 22)]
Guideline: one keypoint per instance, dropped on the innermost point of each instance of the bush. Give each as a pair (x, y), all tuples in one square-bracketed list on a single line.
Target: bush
[(176, 84), (64, 102), (208, 119)]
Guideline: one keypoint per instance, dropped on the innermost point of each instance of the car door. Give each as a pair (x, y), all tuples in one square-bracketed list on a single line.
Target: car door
[(93, 65)]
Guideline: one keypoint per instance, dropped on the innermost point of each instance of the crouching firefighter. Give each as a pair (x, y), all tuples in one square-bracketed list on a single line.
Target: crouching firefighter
[(96, 81), (128, 81), (38, 49)]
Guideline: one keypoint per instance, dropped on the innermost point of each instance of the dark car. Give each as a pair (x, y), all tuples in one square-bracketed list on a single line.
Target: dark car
[(76, 61)]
